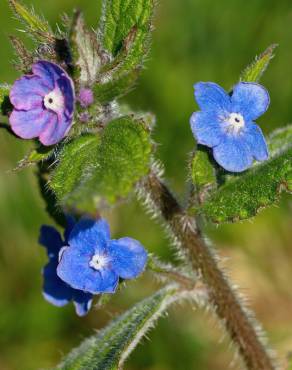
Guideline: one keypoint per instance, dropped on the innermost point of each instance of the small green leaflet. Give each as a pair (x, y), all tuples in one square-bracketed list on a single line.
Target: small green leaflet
[(255, 70)]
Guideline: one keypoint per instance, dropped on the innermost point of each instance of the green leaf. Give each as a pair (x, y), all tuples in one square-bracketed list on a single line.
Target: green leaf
[(5, 104), (109, 349), (255, 70), (85, 51), (95, 170), (35, 25), (120, 17), (244, 195), (125, 33)]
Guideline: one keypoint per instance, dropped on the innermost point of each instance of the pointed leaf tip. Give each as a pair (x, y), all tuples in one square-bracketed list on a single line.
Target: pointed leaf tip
[(35, 25), (255, 70)]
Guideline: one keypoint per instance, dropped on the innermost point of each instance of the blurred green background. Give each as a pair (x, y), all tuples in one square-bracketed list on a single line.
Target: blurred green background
[(194, 40)]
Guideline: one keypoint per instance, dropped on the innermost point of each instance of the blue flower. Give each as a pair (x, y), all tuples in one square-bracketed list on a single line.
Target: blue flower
[(94, 263), (43, 104), (55, 290), (226, 123)]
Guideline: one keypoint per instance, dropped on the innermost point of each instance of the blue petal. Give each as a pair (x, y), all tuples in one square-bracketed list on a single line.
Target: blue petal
[(49, 72), (206, 128), (128, 257), (50, 239), (90, 235), (74, 269), (55, 290), (250, 99), (233, 154), (28, 92), (56, 130), (29, 124), (256, 141), (211, 97), (66, 86), (82, 302), (74, 266)]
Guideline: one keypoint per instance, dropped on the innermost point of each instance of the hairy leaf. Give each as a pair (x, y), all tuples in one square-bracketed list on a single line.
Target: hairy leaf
[(94, 170), (255, 70), (244, 195), (120, 17), (125, 32), (85, 51), (76, 161), (35, 25), (109, 349)]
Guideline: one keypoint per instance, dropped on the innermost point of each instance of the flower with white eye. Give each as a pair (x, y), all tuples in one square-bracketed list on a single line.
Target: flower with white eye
[(94, 263), (43, 104), (226, 123)]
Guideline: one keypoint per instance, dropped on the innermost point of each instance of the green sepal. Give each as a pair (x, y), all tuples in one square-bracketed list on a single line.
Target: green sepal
[(25, 58), (110, 348), (255, 70), (99, 169)]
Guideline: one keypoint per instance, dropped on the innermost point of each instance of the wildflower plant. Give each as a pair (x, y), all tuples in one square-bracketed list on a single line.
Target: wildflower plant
[(91, 152)]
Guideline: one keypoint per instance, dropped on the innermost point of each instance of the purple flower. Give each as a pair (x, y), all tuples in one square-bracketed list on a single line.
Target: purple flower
[(43, 104), (94, 263), (226, 123), (55, 290), (85, 97)]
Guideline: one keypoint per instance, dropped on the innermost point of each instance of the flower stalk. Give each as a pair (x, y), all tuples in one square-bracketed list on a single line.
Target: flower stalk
[(237, 320)]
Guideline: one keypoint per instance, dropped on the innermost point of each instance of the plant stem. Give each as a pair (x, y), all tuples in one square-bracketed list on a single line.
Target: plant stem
[(234, 316)]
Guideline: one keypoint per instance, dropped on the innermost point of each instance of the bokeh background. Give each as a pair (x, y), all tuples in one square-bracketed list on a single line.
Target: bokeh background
[(194, 40)]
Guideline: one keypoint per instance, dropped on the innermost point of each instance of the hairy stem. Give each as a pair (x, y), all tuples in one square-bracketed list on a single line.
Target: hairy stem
[(237, 320)]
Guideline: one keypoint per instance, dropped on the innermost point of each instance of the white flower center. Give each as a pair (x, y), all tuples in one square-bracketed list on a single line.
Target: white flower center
[(234, 124), (98, 261), (54, 100)]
